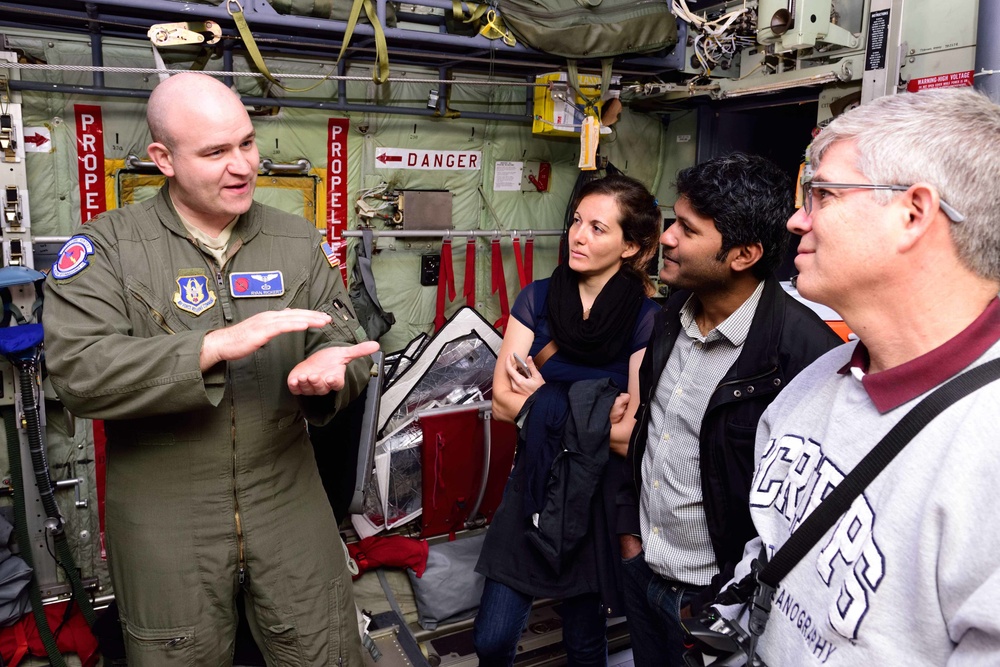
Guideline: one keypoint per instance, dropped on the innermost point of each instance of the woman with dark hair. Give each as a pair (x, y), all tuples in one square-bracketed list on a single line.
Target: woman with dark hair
[(581, 334)]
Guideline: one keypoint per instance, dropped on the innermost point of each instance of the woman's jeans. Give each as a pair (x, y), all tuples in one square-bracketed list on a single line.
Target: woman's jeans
[(503, 614)]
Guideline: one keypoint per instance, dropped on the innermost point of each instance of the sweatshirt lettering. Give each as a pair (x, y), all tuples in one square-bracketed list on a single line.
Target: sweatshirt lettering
[(793, 477)]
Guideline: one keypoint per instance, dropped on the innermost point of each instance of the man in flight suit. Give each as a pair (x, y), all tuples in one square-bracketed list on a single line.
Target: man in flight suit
[(205, 328)]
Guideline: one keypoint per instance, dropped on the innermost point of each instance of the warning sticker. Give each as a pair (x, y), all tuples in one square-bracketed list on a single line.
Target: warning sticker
[(953, 80)]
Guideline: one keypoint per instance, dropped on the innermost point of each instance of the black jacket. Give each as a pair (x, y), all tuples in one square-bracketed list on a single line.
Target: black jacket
[(785, 336), (573, 548)]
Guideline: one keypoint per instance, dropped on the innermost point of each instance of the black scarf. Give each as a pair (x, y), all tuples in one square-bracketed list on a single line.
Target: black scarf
[(599, 339)]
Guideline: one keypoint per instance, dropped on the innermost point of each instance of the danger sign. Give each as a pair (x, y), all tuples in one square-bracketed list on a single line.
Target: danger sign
[(405, 158)]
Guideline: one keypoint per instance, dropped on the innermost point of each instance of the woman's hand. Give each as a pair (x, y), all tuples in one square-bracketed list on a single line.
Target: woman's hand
[(520, 384), (619, 408)]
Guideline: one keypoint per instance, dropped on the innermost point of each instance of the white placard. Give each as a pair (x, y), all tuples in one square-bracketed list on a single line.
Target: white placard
[(507, 176)]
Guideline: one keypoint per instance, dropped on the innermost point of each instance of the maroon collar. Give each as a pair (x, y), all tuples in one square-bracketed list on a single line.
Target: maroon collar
[(891, 388)]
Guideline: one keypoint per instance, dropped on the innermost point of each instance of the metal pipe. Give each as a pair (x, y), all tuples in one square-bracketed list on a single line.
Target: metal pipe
[(266, 166), (484, 479), (482, 406), (988, 49), (284, 25), (227, 62), (38, 86), (300, 166), (96, 45), (442, 100), (292, 24)]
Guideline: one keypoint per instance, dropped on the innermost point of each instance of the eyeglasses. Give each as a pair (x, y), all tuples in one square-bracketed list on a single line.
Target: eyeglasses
[(809, 186)]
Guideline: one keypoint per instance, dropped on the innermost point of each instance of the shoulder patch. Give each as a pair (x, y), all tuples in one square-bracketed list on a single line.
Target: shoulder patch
[(73, 258), (330, 254), (193, 294)]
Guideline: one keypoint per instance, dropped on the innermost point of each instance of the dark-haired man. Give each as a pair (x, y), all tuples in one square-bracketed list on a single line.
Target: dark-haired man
[(728, 340)]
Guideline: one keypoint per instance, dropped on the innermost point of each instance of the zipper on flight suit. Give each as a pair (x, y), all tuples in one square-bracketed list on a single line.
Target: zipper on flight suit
[(227, 311), (241, 562), (241, 559)]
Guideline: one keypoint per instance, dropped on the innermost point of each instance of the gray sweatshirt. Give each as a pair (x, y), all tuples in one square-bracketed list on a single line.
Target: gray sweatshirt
[(910, 575)]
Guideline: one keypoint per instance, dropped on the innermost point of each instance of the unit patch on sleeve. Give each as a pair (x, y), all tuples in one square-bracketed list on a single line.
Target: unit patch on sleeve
[(73, 258), (193, 294), (330, 254), (256, 284)]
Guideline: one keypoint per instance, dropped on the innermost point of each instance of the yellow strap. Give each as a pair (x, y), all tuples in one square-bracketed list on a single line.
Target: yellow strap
[(495, 29), (380, 74), (574, 83), (476, 12)]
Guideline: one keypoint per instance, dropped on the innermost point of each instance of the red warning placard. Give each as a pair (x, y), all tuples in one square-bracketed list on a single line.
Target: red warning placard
[(953, 80)]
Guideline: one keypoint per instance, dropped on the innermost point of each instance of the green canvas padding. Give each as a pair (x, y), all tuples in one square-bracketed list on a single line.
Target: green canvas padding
[(595, 29)]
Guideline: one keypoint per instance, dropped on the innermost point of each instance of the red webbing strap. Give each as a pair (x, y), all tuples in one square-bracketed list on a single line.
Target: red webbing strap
[(22, 642), (470, 272), (519, 261), (529, 255), (446, 281), (500, 284)]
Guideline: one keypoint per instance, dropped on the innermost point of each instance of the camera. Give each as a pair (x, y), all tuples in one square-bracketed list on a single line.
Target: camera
[(718, 642)]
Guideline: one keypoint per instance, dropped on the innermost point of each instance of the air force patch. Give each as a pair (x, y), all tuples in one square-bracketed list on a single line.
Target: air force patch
[(256, 284), (73, 258), (330, 254), (193, 294)]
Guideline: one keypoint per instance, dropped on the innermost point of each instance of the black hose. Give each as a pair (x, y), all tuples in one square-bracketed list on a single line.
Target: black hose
[(27, 372), (24, 539)]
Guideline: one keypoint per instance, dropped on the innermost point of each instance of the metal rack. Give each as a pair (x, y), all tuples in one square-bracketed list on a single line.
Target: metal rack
[(308, 37)]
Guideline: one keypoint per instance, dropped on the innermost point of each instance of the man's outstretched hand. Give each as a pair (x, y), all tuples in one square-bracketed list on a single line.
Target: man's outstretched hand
[(245, 338), (323, 371)]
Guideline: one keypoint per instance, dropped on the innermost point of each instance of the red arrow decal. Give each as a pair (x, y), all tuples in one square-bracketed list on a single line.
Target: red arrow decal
[(37, 139), (389, 158)]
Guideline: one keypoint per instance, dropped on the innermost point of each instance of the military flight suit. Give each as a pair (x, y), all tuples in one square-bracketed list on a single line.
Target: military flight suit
[(211, 483)]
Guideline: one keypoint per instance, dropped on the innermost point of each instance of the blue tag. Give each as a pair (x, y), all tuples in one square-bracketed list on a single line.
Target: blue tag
[(72, 258), (193, 294), (256, 283)]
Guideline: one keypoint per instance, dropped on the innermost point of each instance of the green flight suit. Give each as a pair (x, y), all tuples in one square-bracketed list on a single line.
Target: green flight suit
[(211, 482)]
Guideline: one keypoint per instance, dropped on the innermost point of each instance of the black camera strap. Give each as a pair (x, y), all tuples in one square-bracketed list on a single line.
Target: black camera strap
[(839, 501)]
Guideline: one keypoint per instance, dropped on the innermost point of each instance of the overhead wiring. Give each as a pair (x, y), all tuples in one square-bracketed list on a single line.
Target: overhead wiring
[(720, 39)]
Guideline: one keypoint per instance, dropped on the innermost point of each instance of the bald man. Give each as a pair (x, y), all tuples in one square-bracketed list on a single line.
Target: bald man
[(205, 329)]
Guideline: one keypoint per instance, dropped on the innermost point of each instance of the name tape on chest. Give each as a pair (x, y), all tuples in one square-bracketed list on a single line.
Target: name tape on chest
[(253, 284)]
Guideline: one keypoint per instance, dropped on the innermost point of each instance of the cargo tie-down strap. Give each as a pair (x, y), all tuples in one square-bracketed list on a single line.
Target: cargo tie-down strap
[(446, 282), (500, 285), (380, 73), (524, 264), (469, 290)]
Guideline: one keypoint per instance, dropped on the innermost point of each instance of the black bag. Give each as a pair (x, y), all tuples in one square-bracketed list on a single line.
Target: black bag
[(375, 320)]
